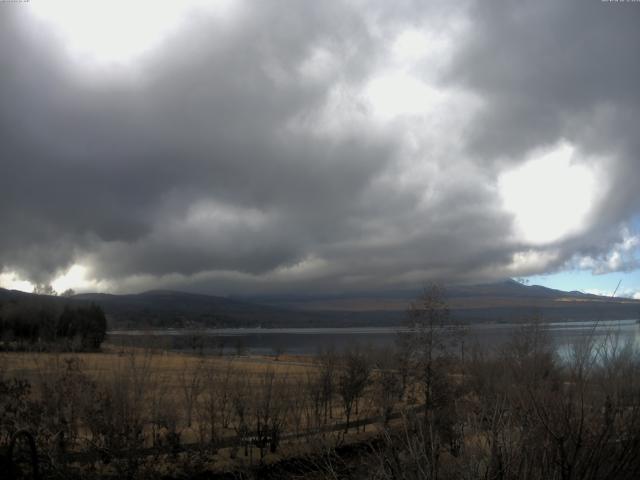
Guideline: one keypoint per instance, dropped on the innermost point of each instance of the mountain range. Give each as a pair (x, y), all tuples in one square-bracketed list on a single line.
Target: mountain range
[(506, 301)]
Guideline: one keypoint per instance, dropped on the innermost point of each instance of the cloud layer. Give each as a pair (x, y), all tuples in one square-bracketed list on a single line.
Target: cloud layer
[(321, 146)]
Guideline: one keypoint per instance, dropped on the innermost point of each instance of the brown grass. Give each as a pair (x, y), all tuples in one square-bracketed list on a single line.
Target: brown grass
[(30, 364)]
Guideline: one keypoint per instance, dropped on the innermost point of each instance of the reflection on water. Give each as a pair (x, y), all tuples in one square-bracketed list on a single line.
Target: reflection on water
[(311, 340)]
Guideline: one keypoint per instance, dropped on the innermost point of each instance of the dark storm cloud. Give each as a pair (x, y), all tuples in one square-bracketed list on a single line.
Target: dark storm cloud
[(553, 70), (543, 66), (88, 164), (220, 167)]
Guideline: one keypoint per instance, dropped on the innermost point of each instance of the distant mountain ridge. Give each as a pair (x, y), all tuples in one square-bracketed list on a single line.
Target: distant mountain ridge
[(167, 308), (505, 301)]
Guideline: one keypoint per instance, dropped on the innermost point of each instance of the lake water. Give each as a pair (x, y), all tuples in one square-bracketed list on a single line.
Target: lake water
[(311, 340)]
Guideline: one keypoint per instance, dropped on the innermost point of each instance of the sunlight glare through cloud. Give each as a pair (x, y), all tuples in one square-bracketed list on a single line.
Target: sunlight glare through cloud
[(550, 196), (11, 281), (401, 94), (116, 31), (74, 278)]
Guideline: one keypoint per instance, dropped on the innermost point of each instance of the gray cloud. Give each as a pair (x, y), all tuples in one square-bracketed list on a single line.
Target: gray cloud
[(553, 70), (228, 166)]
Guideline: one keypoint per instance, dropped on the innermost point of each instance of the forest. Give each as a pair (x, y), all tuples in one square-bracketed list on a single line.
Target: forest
[(40, 324)]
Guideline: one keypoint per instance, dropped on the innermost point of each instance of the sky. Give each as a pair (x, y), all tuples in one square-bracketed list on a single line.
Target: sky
[(346, 145)]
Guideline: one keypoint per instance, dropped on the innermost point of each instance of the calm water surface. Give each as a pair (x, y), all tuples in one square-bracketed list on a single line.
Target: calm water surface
[(311, 340)]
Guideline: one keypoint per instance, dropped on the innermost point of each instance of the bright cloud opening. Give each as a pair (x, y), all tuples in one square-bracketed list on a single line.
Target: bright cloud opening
[(75, 278), (412, 45), (401, 94), (118, 31), (550, 196), (11, 281)]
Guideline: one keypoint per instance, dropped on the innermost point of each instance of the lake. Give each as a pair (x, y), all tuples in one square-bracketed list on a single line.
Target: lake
[(311, 340)]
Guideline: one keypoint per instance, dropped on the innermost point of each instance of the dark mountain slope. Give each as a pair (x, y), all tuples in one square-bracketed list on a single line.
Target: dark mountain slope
[(165, 308), (506, 301)]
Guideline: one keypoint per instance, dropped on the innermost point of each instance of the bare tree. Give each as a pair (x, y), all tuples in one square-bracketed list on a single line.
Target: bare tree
[(314, 394), (215, 404), (242, 404), (269, 411), (278, 351), (44, 289), (429, 341), (388, 386), (327, 360), (190, 379), (353, 378)]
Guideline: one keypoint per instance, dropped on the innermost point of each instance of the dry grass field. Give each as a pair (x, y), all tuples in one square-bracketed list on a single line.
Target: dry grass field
[(155, 399), (414, 412), (166, 363)]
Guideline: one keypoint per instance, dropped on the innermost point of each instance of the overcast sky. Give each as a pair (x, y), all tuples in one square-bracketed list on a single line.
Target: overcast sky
[(299, 146)]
